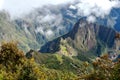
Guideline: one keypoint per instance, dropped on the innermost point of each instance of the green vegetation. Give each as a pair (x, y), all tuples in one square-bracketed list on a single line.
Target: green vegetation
[(14, 65), (66, 49), (15, 30), (103, 69), (57, 62)]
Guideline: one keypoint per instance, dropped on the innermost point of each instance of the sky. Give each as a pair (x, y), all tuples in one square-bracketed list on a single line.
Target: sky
[(1, 4), (22, 6), (100, 8)]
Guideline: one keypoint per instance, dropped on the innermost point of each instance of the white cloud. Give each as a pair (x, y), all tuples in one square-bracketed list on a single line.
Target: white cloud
[(48, 18), (72, 7), (40, 29), (49, 32), (17, 7), (1, 4), (98, 8), (52, 19), (91, 19)]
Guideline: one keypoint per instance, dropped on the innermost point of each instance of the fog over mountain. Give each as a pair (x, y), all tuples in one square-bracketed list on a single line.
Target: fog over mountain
[(43, 21), (18, 7), (89, 8)]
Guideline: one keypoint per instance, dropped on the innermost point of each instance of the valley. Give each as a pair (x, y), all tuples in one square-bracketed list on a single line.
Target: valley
[(71, 41)]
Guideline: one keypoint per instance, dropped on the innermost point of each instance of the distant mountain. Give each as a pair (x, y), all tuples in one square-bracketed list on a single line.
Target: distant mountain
[(112, 20), (47, 23), (9, 30), (116, 14), (39, 26), (85, 37)]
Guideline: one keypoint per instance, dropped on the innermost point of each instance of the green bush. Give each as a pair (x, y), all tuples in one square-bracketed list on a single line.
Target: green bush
[(15, 66)]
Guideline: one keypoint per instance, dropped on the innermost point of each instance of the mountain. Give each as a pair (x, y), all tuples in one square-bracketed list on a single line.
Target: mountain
[(68, 45), (84, 38), (50, 22), (115, 13), (47, 23), (40, 25), (112, 20), (55, 61), (9, 30)]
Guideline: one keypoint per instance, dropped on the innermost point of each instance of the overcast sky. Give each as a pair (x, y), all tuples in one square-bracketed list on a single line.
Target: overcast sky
[(20, 6), (85, 7)]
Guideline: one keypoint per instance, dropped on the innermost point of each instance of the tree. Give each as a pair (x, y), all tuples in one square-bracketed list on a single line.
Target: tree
[(15, 66), (103, 69)]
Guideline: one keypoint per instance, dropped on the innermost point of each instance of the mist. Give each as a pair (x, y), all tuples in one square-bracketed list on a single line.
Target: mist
[(88, 8), (19, 7), (96, 8)]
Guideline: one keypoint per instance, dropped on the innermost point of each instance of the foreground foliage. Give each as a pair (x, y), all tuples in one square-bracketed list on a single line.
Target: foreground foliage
[(103, 69), (15, 66)]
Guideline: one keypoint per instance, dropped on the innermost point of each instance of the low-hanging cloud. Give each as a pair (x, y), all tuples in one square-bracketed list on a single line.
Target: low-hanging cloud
[(1, 4), (88, 8), (19, 7), (50, 16), (96, 8), (91, 19)]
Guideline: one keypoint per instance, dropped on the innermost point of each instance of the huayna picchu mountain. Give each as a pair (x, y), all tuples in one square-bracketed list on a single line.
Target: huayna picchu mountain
[(84, 38)]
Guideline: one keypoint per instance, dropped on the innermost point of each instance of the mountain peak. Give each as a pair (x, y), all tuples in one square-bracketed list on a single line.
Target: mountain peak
[(84, 37)]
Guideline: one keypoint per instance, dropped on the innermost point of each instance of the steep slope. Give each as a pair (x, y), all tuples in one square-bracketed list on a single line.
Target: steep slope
[(56, 61), (84, 37), (10, 31), (6, 26), (48, 22), (40, 25)]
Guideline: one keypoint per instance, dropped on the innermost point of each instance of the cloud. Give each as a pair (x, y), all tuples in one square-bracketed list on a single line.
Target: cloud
[(48, 23), (48, 18), (98, 8), (49, 32), (1, 4), (51, 17), (72, 7), (91, 19), (48, 15), (18, 7), (40, 29)]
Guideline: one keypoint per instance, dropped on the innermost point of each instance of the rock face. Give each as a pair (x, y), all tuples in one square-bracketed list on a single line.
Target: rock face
[(9, 30), (45, 24), (84, 37)]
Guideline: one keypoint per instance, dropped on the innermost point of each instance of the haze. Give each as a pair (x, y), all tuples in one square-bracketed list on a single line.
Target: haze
[(17, 7), (85, 7)]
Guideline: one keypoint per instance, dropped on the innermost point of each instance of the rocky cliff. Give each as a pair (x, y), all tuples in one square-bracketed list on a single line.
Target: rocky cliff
[(84, 37)]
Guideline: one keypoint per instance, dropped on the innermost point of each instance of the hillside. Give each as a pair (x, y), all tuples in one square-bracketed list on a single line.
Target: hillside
[(10, 31), (40, 26), (60, 40), (36, 28), (84, 38), (14, 65)]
